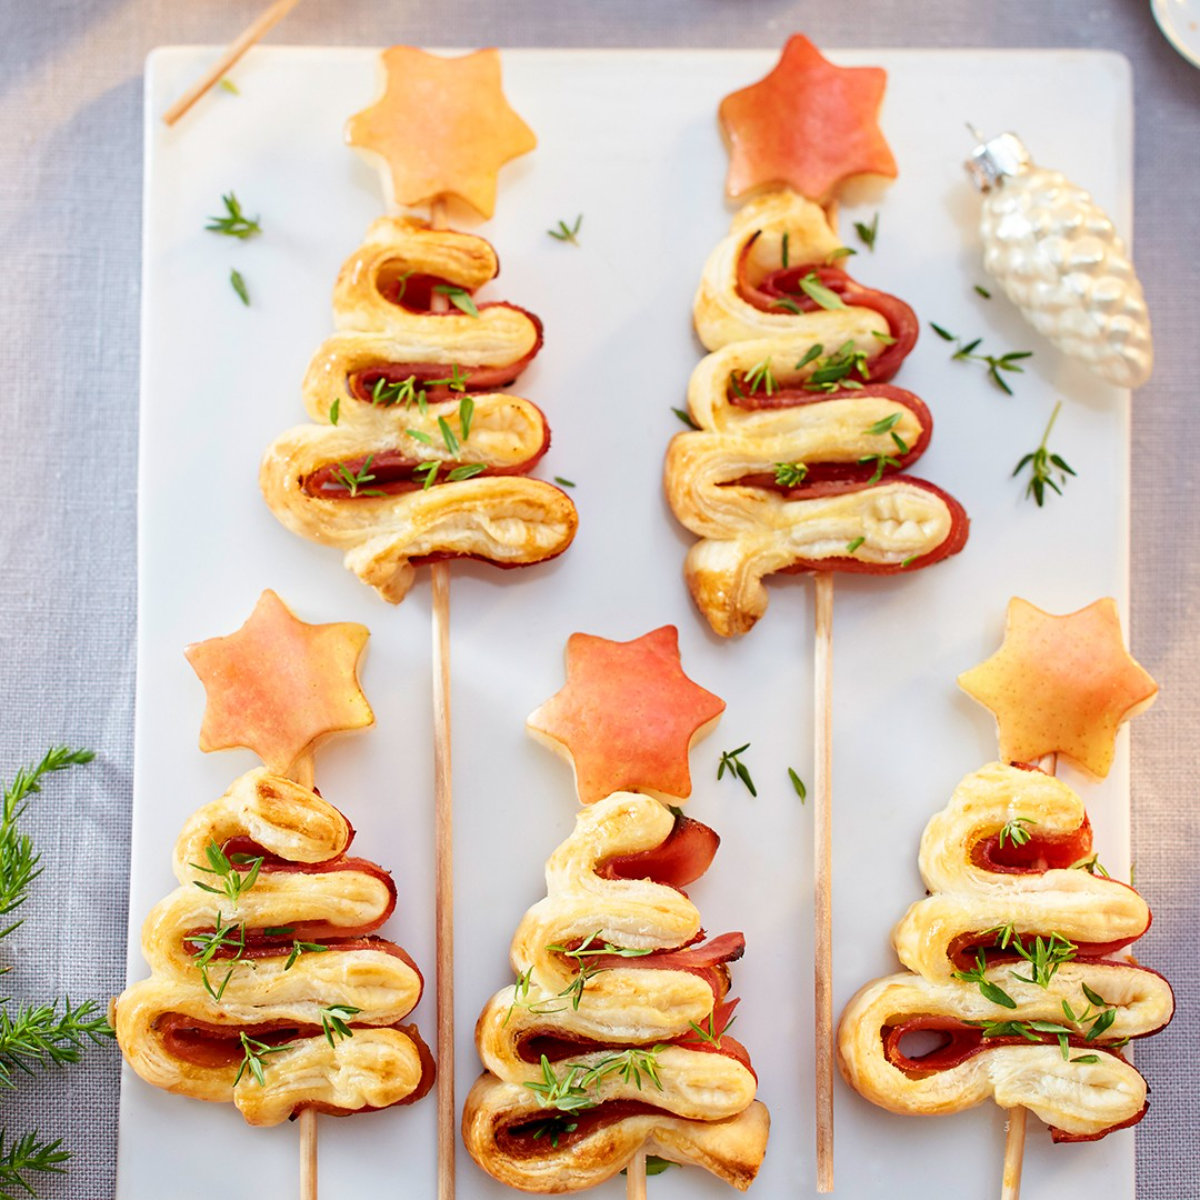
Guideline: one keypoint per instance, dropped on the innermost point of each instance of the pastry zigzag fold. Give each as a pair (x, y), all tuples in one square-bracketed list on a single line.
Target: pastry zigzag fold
[(612, 1030), (182, 1036), (383, 389), (772, 394), (1055, 1046)]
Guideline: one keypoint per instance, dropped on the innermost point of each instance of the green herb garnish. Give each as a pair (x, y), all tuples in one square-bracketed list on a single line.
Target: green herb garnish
[(567, 233), (868, 233), (335, 1020), (234, 223), (233, 883), (354, 480), (1042, 464), (731, 763), (459, 297), (798, 785), (790, 474), (239, 285), (990, 991)]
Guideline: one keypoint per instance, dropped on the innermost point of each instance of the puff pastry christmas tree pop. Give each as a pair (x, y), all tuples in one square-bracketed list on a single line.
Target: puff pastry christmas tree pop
[(613, 1042), (1015, 956), (417, 458), (268, 986), (797, 461)]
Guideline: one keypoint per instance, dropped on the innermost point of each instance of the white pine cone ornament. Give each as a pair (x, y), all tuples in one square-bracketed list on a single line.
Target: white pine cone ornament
[(1060, 260)]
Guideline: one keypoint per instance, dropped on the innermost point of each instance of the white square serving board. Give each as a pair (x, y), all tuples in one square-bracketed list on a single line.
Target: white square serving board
[(629, 139)]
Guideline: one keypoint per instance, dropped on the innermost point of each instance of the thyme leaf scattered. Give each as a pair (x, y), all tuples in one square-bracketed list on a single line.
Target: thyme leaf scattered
[(234, 223), (868, 233), (1042, 464), (239, 285), (567, 233), (731, 763)]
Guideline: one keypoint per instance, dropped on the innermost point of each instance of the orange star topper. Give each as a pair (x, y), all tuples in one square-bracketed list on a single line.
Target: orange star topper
[(627, 717), (1061, 684), (279, 685), (808, 125), (441, 128)]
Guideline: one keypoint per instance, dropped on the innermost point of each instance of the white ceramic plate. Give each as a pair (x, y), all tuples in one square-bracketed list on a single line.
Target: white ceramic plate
[(629, 140)]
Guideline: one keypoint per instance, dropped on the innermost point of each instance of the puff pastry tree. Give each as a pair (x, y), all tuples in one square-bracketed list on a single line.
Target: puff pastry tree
[(416, 456), (268, 986), (614, 1039), (1012, 963)]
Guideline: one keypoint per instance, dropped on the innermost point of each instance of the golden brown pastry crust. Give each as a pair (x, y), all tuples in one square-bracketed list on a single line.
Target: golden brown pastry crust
[(1081, 1099), (748, 532), (704, 1101), (506, 519), (382, 1064), (966, 897)]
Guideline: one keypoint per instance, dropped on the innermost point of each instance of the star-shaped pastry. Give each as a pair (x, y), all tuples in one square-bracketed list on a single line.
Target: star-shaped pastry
[(441, 128), (1061, 684), (627, 717), (808, 125), (278, 685)]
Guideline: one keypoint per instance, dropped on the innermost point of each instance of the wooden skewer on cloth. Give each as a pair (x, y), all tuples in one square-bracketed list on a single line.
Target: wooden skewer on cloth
[(265, 22)]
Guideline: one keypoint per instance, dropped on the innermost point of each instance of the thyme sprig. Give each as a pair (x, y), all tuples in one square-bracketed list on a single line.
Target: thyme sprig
[(575, 1089), (989, 990), (732, 763), (567, 233), (1016, 831), (354, 480), (995, 363), (1092, 865), (335, 1021), (299, 948), (564, 1093), (790, 475), (832, 372), (254, 1053), (459, 297), (224, 868), (1044, 957), (817, 292), (1042, 463), (761, 377), (226, 935), (868, 233), (234, 223), (711, 1036), (590, 947)]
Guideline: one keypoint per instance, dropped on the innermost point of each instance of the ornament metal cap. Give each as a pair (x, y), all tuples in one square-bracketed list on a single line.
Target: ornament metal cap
[(995, 159)]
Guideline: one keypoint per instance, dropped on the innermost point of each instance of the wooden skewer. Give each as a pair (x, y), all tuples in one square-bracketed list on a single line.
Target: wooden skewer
[(444, 837), (265, 22), (823, 855), (635, 1187), (1014, 1139), (823, 874), (1014, 1154), (302, 772), (308, 1154)]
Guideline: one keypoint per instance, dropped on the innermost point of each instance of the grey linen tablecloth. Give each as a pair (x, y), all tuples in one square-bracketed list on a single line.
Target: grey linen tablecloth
[(70, 223)]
